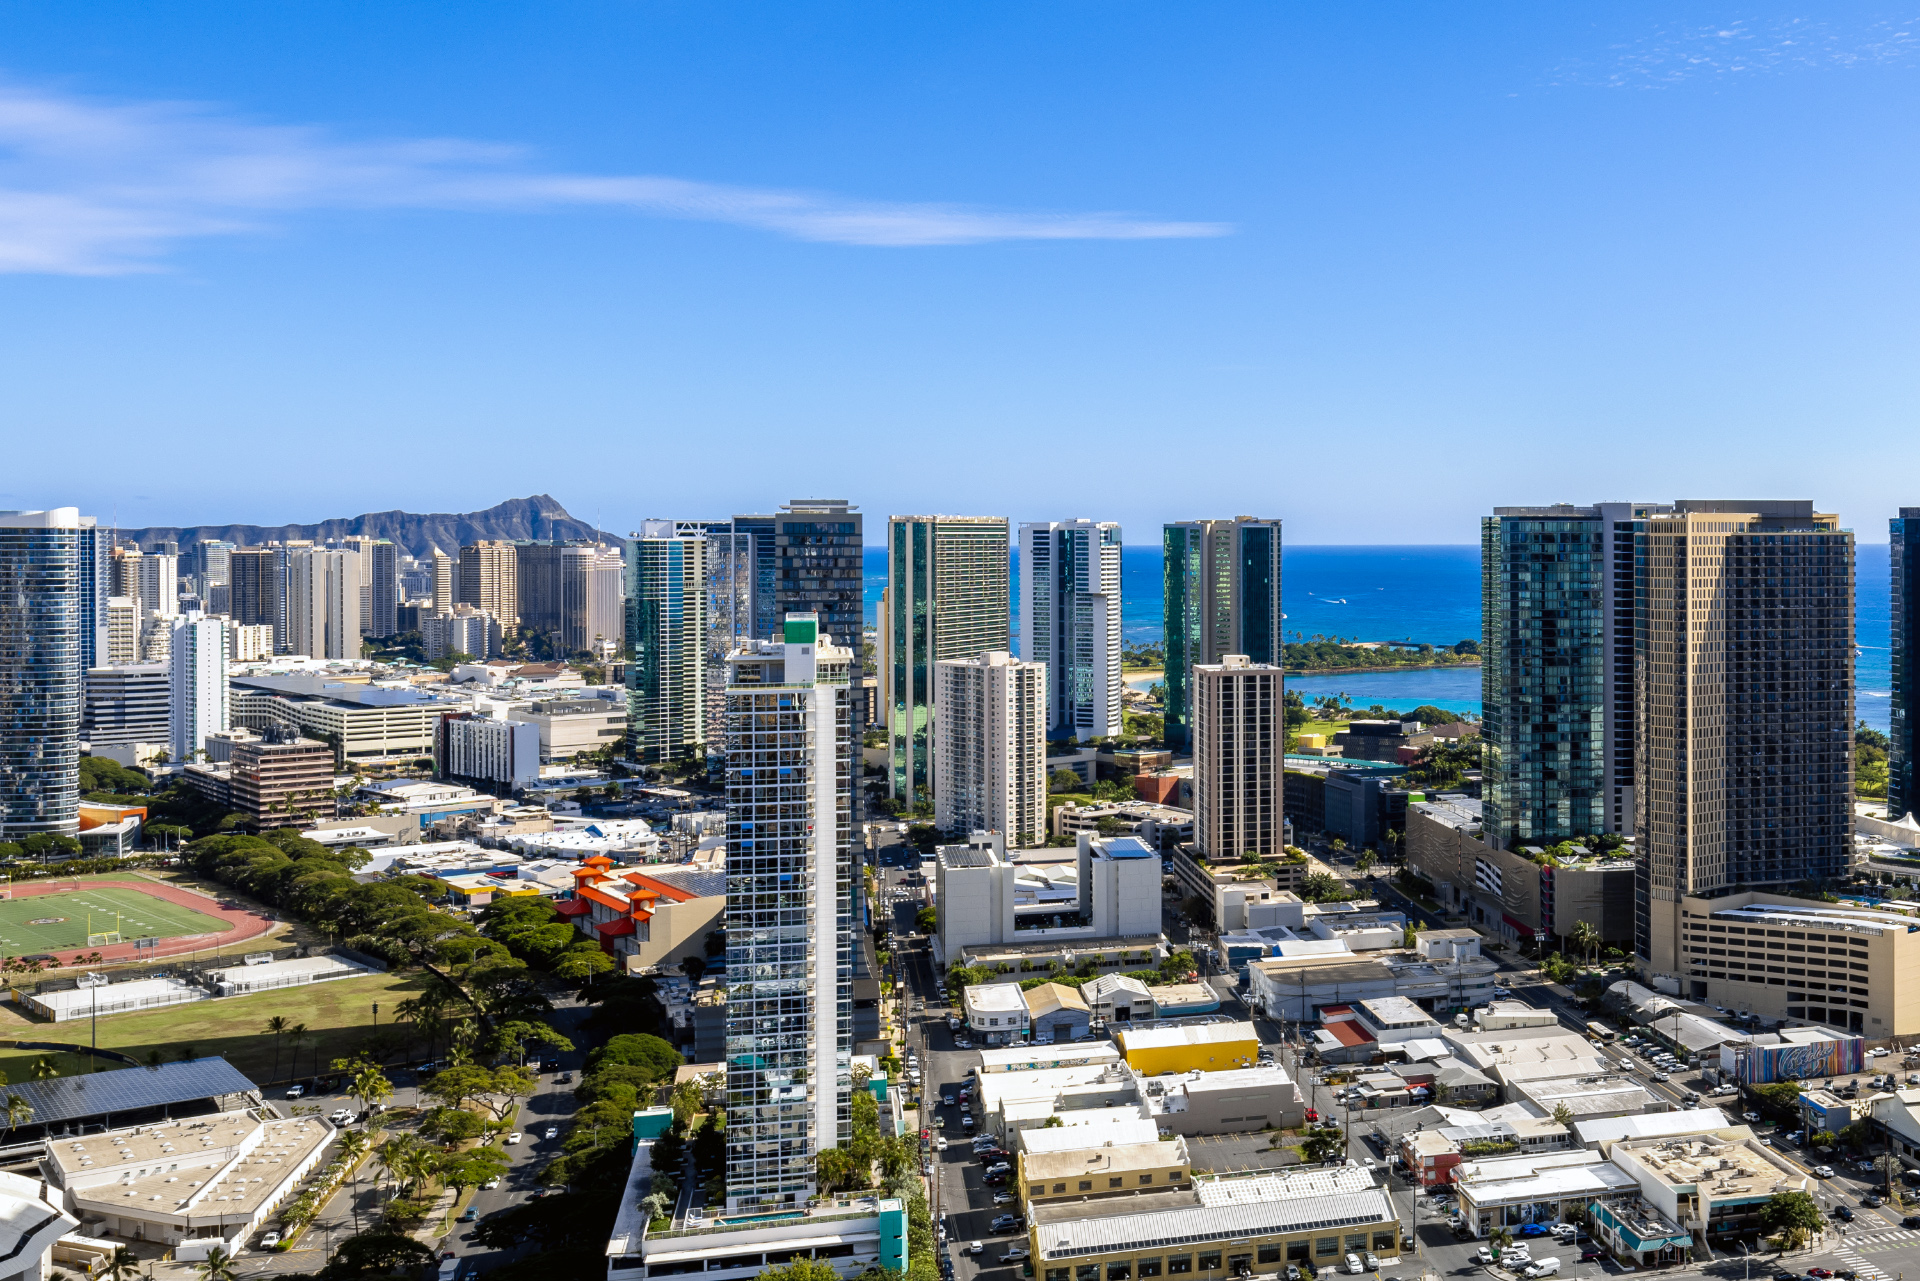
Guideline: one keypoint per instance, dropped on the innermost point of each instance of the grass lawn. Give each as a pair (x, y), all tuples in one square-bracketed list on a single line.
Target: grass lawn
[(340, 1012)]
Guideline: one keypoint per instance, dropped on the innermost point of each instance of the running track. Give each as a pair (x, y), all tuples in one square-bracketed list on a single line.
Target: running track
[(242, 924)]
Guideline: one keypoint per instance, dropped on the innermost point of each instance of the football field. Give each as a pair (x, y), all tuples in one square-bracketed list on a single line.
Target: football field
[(61, 922)]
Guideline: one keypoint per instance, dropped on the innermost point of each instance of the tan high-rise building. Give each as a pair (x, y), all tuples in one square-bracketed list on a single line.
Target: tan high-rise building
[(1239, 759), (489, 580), (444, 584), (124, 625), (1744, 774), (990, 747)]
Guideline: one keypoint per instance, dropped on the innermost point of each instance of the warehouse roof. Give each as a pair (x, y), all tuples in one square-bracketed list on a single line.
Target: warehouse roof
[(1159, 1038), (1214, 1210), (1104, 1160), (66, 1098)]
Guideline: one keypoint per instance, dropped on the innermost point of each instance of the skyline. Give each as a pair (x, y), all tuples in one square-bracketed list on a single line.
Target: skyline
[(583, 244)]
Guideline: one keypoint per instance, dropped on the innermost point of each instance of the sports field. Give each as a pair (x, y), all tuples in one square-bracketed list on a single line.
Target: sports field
[(60, 922)]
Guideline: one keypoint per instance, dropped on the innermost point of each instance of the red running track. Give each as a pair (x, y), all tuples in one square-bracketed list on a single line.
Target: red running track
[(242, 924)]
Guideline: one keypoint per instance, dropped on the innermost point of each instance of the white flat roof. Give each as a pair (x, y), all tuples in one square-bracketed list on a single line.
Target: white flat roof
[(1041, 1057), (1141, 1038), (1646, 1125), (1238, 1079), (1114, 1129), (995, 997)]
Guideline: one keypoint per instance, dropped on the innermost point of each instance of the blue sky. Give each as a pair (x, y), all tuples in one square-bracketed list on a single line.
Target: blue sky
[(1371, 272)]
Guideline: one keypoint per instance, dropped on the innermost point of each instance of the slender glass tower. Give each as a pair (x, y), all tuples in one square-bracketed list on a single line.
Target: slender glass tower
[(46, 558), (1222, 596), (1901, 754), (789, 917), (1070, 620), (666, 629)]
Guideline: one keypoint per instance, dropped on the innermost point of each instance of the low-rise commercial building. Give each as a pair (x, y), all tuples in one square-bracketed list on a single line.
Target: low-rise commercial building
[(569, 726), (1039, 960), (367, 723), (1217, 1228), (1298, 988), (1162, 828), (194, 1184), (1101, 1173), (1203, 1047), (995, 1012), (1056, 1012), (1042, 1058), (1105, 889), (1711, 1186), (1116, 998), (1183, 1000), (1532, 1187), (645, 921), (1232, 1101)]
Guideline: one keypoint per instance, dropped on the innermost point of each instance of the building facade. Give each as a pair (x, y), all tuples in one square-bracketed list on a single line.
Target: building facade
[(489, 580), (1239, 727), (666, 629), (790, 785), (323, 603), (493, 755), (947, 597), (1222, 596), (43, 612), (1903, 754), (461, 630), (254, 596), (1745, 727), (197, 684), (990, 747), (128, 703), (1070, 620)]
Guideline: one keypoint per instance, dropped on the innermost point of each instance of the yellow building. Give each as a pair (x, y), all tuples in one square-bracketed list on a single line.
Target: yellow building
[(1217, 1228), (1209, 1047), (1101, 1171)]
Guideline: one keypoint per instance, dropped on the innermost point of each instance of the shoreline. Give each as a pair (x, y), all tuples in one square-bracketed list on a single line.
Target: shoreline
[(1398, 667)]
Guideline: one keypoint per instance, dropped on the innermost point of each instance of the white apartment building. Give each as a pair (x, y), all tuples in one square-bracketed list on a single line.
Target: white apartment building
[(1104, 889), (462, 630), (487, 752), (990, 747), (1239, 758), (123, 630), (249, 642), (789, 919), (1070, 620), (197, 691), (323, 603)]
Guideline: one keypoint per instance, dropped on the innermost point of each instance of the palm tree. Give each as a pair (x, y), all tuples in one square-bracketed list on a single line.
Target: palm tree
[(277, 1027), (218, 1266), (124, 1264), (353, 1146), (17, 1112), (296, 1037), (43, 1068), (1586, 937)]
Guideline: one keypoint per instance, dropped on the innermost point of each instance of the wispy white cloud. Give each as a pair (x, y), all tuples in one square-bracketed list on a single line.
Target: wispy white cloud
[(97, 188), (1673, 53)]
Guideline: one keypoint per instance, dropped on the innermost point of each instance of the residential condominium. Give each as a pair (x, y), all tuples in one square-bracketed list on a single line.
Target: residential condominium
[(379, 585), (123, 631), (1239, 759), (789, 919), (1744, 766), (255, 594), (946, 597), (990, 747), (1222, 596), (818, 554), (197, 693), (593, 610), (489, 580), (323, 603), (443, 582), (666, 628), (1903, 752), (46, 563), (1070, 620)]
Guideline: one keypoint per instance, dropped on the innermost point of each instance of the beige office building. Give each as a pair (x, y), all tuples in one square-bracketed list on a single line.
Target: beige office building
[(444, 582), (490, 580), (1744, 773), (1239, 758), (990, 747)]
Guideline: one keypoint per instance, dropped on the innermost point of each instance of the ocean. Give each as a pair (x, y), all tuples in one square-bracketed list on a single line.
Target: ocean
[(1423, 593)]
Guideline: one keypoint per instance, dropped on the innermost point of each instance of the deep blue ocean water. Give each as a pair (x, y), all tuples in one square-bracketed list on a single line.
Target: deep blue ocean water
[(1424, 593)]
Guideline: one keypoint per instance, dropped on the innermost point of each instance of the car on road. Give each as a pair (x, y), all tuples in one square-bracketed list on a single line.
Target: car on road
[(552, 1132), (515, 1137), (565, 1078), (1661, 1076), (339, 1116), (1501, 993), (490, 1185), (1845, 1274), (1004, 1223), (1871, 1200), (1822, 1273), (1354, 1265), (975, 1247), (1822, 1172), (296, 1091), (947, 1098), (963, 1044), (1781, 1274), (939, 1145), (1911, 1221), (1843, 1213), (469, 1214), (551, 1065), (1014, 1254), (270, 1240), (1750, 1117)]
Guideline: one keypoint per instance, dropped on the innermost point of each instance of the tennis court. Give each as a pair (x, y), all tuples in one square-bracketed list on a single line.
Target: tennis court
[(61, 921)]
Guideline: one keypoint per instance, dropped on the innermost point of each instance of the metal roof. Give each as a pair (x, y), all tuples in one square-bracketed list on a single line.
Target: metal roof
[(67, 1098), (1227, 1218)]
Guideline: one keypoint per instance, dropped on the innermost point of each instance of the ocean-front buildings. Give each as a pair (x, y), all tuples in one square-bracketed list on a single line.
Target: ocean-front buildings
[(1222, 594)]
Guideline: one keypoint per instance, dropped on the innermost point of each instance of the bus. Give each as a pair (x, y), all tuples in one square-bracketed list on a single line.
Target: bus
[(1600, 1032)]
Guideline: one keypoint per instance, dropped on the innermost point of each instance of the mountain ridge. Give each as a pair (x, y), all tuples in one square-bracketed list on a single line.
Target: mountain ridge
[(537, 516)]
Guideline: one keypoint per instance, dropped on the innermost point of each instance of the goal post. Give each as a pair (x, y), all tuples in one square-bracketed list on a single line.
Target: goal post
[(103, 937)]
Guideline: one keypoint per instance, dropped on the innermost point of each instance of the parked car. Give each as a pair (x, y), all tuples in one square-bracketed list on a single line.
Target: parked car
[(296, 1091), (1590, 1256), (1293, 1273), (1870, 1200), (1845, 1274), (1004, 1198), (1371, 1260), (1822, 1273), (1004, 1222), (976, 1247), (270, 1240), (947, 1098), (1911, 1221), (1354, 1265), (1014, 1254), (1542, 1268)]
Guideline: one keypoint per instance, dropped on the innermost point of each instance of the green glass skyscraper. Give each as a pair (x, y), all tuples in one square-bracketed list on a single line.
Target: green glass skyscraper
[(1222, 594)]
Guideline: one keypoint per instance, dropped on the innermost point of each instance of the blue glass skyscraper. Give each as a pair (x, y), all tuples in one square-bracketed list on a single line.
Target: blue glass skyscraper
[(46, 632), (1901, 755)]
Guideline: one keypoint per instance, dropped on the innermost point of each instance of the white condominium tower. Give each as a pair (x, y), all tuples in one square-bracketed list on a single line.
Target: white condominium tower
[(990, 747), (198, 683), (1239, 759), (790, 778), (1070, 620), (946, 597), (323, 603)]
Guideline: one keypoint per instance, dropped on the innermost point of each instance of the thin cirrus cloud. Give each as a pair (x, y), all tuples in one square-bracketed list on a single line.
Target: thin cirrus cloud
[(1674, 53), (97, 188)]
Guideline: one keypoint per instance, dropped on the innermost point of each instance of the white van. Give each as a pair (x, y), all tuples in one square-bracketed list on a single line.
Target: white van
[(1542, 1268)]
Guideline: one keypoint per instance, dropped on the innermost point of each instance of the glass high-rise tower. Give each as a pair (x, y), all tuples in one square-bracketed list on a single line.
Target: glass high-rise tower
[(789, 1016), (1902, 756), (48, 588), (1222, 594), (1070, 620), (667, 640), (947, 597)]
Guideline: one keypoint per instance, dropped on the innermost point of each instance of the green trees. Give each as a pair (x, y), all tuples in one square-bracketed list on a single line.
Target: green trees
[(1793, 1216), (926, 920), (1064, 780), (800, 1270), (1585, 936), (649, 1053), (1869, 761), (1320, 887), (1322, 1142), (1780, 1095)]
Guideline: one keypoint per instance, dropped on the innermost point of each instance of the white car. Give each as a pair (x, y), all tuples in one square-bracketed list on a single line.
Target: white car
[(270, 1240), (553, 1131), (296, 1091), (1354, 1265), (1014, 1254), (339, 1116), (515, 1137), (490, 1185)]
